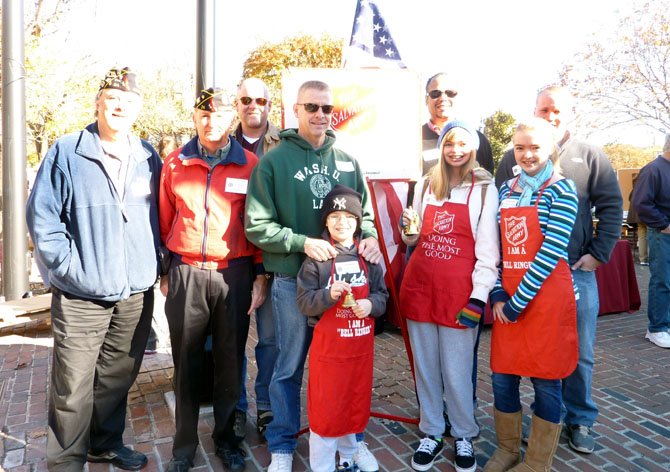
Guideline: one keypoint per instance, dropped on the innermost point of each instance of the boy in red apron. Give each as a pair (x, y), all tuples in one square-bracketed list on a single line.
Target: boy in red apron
[(450, 274), (339, 390), (534, 331)]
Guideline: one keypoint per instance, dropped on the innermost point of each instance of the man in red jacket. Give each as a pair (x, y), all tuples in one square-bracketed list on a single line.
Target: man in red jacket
[(211, 275)]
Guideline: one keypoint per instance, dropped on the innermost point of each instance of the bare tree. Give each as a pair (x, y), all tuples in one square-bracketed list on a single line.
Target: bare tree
[(625, 79)]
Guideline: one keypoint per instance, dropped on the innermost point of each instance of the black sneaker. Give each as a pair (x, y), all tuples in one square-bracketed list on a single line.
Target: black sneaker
[(232, 458), (178, 465), (425, 454), (263, 419), (240, 425), (347, 467), (121, 457), (465, 455)]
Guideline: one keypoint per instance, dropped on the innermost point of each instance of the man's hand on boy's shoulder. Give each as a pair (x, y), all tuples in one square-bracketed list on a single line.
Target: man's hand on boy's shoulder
[(319, 249), (369, 249)]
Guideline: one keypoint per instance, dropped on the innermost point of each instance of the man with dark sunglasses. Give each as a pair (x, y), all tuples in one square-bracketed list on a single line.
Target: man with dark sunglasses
[(440, 102), (254, 132), (286, 192), (258, 135)]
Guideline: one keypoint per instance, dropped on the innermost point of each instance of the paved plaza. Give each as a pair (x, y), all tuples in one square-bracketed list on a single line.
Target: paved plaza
[(631, 387)]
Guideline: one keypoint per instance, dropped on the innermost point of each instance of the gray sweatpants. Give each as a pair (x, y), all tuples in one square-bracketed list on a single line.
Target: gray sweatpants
[(443, 368)]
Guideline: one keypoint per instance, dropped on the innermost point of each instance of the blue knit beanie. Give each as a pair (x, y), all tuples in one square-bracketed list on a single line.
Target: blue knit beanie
[(458, 124)]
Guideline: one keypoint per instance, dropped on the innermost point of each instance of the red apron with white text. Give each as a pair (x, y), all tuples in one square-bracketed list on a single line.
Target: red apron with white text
[(543, 341), (437, 283), (339, 390)]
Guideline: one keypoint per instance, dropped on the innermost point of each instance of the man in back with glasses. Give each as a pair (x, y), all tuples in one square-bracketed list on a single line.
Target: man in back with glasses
[(440, 100), (285, 196), (258, 135)]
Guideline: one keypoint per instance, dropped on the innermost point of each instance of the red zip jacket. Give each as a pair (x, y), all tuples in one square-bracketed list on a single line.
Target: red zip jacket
[(201, 209)]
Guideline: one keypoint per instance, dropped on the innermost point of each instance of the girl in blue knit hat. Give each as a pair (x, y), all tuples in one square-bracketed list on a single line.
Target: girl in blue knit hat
[(445, 287)]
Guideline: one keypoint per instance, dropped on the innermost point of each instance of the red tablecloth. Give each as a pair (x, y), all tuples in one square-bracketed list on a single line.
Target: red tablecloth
[(617, 283)]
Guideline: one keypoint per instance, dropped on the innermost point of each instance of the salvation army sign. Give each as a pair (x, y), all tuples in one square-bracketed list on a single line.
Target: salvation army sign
[(377, 116)]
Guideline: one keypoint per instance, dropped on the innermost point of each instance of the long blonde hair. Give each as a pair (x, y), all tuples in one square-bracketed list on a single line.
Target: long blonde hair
[(440, 175)]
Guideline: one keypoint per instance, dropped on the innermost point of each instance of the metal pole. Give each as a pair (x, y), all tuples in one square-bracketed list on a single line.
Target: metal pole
[(204, 59), (14, 182)]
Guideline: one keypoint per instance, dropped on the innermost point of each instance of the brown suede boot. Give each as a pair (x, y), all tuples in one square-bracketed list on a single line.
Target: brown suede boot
[(508, 434), (542, 445)]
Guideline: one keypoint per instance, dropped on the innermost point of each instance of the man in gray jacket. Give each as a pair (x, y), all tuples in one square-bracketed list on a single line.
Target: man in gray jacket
[(93, 217), (597, 187)]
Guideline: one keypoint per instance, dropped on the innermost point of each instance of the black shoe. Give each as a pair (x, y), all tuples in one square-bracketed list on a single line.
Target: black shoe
[(465, 455), (232, 458), (178, 465), (263, 419), (240, 425), (122, 457), (447, 425), (425, 454)]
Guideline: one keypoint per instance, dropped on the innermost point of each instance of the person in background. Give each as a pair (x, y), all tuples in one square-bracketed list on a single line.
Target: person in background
[(597, 187), (641, 229), (651, 199), (441, 103), (445, 289), (258, 135), (93, 217), (342, 350), (215, 278), (534, 305), (286, 192)]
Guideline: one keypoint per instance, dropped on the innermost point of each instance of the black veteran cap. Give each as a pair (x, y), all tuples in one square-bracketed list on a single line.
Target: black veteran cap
[(120, 79), (212, 99)]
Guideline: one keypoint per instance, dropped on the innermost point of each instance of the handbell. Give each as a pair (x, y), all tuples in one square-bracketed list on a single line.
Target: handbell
[(349, 300), (413, 227)]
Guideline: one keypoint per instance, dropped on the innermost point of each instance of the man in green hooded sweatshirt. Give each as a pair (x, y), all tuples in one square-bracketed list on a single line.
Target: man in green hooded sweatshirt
[(284, 199)]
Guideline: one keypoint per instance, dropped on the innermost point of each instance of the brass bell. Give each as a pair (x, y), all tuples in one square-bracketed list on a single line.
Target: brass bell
[(349, 300), (413, 227)]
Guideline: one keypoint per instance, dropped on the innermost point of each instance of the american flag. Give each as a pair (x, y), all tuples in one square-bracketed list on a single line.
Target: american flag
[(372, 46), (371, 43)]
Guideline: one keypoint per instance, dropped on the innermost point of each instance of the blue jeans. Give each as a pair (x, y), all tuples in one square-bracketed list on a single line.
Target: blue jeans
[(579, 405), (293, 339), (266, 353), (547, 404), (658, 309)]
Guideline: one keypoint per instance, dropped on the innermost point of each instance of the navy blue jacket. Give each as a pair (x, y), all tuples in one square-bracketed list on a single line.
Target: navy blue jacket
[(89, 241), (651, 197)]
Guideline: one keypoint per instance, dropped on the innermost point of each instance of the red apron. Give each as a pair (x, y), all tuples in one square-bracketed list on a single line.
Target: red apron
[(543, 341), (437, 283), (339, 390)]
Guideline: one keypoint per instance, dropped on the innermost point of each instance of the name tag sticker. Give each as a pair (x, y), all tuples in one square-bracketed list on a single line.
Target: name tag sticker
[(140, 188), (350, 267), (236, 185), (508, 203), (345, 166)]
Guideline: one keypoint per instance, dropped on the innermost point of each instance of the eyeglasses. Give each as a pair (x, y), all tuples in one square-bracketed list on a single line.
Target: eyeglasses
[(348, 218), (313, 108), (259, 101), (435, 94)]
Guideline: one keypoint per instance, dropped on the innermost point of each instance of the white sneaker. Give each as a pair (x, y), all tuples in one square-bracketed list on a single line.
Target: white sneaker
[(364, 459), (661, 339), (281, 463)]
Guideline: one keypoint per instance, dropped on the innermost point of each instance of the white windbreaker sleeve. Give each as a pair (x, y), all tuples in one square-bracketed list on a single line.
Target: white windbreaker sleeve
[(487, 241)]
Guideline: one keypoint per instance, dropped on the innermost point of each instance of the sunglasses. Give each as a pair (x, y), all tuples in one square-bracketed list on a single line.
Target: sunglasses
[(259, 101), (435, 94), (313, 108)]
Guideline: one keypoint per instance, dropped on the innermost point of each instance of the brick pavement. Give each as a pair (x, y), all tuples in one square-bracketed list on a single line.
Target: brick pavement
[(631, 387)]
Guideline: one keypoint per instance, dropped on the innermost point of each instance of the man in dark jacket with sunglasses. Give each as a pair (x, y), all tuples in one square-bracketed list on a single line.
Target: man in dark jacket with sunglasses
[(258, 135), (440, 101)]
